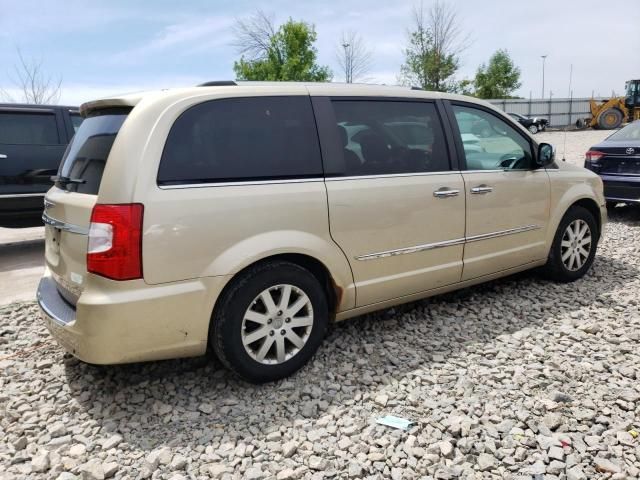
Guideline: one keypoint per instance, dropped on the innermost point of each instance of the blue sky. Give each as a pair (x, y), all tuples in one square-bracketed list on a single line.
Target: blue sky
[(105, 47)]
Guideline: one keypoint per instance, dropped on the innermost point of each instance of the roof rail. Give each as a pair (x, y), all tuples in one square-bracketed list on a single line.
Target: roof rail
[(218, 83)]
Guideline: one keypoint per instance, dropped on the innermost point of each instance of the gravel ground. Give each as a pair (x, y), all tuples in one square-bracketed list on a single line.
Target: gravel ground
[(519, 378)]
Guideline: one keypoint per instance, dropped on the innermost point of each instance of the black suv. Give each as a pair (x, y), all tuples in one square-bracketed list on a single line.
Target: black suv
[(33, 139)]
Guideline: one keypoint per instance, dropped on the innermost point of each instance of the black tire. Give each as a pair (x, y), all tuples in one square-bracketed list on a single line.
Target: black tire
[(533, 128), (226, 330), (609, 119), (555, 269)]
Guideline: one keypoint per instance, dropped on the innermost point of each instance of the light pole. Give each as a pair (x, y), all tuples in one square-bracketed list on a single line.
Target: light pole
[(544, 58), (346, 63)]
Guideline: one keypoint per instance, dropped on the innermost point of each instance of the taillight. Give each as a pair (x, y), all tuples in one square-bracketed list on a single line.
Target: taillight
[(591, 159), (593, 155), (115, 241)]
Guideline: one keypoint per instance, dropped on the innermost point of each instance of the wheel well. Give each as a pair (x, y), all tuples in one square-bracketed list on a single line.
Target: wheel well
[(315, 266), (593, 208)]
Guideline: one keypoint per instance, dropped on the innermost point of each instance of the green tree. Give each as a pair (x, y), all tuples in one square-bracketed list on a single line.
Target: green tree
[(288, 55), (432, 56), (499, 79)]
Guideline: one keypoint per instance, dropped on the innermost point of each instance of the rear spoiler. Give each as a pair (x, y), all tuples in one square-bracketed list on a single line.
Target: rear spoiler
[(124, 101)]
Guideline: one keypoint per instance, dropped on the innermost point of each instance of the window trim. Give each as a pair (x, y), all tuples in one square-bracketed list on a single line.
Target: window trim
[(462, 159), (256, 180), (36, 111), (330, 144)]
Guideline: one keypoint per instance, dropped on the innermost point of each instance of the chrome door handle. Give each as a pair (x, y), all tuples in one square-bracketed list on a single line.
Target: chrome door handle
[(2, 155), (481, 189), (445, 192)]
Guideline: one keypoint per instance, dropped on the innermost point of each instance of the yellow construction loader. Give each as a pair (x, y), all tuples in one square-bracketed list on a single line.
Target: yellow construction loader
[(609, 114)]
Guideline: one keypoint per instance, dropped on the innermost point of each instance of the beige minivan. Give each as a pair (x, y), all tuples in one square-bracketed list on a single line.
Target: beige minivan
[(244, 217)]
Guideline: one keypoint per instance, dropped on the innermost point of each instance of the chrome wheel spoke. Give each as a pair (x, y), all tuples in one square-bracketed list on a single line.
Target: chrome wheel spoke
[(585, 241), (576, 230), (280, 349), (565, 244), (296, 307), (256, 317), (583, 231), (566, 255), (255, 335), (583, 252), (284, 299), (301, 322), (295, 339), (264, 349), (267, 299)]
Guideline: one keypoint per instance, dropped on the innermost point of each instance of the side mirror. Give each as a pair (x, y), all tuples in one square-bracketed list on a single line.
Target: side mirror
[(546, 155)]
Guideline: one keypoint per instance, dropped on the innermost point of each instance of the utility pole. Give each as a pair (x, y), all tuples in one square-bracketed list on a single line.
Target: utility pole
[(347, 63), (544, 58)]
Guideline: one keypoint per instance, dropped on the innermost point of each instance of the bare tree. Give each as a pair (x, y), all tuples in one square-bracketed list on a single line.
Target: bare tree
[(35, 85), (354, 58), (435, 44), (253, 35)]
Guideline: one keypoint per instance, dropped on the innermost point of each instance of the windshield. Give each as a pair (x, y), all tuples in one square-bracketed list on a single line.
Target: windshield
[(87, 153), (630, 132)]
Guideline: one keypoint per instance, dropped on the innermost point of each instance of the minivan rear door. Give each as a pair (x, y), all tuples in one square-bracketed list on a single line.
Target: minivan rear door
[(396, 203), (69, 203)]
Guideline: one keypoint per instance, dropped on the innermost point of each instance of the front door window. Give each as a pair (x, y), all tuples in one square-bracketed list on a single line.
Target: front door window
[(490, 143)]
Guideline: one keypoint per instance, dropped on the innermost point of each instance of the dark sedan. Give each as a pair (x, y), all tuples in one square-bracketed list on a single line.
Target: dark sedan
[(617, 161), (533, 124)]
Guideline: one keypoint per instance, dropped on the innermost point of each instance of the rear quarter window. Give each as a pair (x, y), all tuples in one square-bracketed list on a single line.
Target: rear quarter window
[(242, 139)]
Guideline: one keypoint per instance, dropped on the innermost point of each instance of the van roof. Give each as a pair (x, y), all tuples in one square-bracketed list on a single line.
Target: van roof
[(313, 88)]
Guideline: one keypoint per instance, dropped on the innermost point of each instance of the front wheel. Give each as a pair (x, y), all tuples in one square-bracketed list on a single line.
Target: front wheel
[(270, 321), (574, 246), (533, 128)]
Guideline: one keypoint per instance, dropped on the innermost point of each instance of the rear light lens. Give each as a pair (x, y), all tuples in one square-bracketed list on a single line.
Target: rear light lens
[(593, 155), (591, 159), (115, 241)]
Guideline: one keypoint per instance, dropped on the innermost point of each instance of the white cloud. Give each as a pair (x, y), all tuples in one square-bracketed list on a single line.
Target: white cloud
[(185, 37)]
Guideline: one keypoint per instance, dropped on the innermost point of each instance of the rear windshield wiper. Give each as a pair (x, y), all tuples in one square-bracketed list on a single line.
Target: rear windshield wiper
[(66, 180)]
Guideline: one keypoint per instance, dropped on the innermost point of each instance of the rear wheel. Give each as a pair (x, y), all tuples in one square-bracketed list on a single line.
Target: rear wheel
[(270, 321), (533, 128), (574, 246), (609, 119)]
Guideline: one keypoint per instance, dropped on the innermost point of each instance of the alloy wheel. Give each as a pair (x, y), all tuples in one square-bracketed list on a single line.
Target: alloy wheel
[(277, 324), (576, 245)]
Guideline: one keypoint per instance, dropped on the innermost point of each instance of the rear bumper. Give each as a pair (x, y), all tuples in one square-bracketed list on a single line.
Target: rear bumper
[(124, 322), (621, 188)]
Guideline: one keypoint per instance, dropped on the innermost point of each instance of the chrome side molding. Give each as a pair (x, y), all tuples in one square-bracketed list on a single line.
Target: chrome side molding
[(417, 248), (446, 243), (65, 227)]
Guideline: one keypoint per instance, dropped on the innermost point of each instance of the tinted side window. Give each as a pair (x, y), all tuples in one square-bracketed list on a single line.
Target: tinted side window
[(390, 137), (28, 129), (257, 138), (490, 143)]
